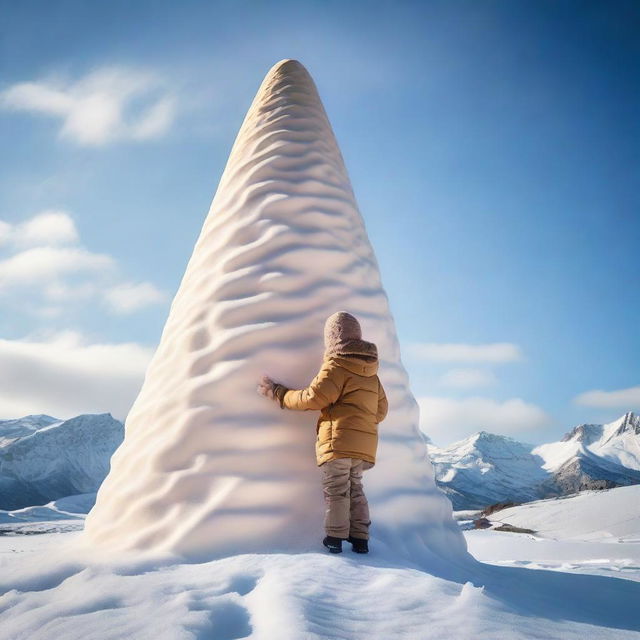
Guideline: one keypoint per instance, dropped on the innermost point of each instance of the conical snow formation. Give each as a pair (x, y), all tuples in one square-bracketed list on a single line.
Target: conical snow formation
[(208, 467)]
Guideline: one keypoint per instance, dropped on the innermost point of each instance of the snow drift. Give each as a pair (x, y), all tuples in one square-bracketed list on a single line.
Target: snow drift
[(612, 515), (208, 467)]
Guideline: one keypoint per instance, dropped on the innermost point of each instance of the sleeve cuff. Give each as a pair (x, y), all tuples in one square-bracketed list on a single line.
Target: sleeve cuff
[(278, 391)]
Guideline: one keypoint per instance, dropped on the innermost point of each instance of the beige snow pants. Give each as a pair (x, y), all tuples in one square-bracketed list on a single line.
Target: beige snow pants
[(347, 511)]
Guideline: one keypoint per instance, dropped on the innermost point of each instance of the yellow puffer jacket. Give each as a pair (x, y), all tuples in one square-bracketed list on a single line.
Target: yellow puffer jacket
[(352, 402)]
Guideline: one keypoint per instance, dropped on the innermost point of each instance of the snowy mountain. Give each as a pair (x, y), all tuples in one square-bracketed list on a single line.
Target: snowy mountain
[(594, 456), (485, 468), (44, 459), (11, 430)]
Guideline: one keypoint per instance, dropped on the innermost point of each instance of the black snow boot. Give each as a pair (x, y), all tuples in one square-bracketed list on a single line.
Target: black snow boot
[(333, 544), (359, 545)]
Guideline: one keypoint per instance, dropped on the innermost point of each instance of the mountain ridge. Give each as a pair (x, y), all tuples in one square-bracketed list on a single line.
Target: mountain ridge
[(475, 472), (44, 458)]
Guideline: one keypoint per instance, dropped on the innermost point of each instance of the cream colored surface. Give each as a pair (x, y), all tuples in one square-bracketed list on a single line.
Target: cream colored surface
[(207, 467)]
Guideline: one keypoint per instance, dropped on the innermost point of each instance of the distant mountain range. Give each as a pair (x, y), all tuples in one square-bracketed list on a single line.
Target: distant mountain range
[(485, 468), (44, 459)]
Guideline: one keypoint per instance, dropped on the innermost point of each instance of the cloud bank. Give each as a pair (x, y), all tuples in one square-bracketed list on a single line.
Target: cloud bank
[(104, 106), (64, 375), (62, 270), (626, 399), (499, 352), (468, 378), (446, 420)]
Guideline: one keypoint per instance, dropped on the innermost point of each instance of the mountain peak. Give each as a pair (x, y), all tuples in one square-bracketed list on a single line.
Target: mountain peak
[(629, 422), (585, 433), (486, 436), (39, 417)]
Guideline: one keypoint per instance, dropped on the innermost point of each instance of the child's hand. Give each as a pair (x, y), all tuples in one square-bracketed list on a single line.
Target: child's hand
[(270, 389), (266, 387)]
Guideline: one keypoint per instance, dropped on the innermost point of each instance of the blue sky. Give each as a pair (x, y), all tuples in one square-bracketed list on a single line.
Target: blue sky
[(493, 148)]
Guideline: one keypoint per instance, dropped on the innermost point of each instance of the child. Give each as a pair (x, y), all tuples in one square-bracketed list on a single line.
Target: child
[(352, 402)]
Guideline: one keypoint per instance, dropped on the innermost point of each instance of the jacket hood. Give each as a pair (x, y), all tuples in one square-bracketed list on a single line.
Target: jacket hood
[(357, 356), (340, 329)]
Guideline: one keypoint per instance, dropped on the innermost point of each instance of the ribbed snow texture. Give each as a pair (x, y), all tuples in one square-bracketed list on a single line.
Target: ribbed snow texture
[(210, 468)]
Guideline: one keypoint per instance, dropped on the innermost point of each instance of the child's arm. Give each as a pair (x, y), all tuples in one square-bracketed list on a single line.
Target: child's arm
[(324, 390), (383, 404)]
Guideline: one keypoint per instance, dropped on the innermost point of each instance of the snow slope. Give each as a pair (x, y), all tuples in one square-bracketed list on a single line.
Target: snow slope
[(70, 507), (610, 515), (586, 583), (594, 557), (43, 459), (207, 466), (48, 590), (595, 532)]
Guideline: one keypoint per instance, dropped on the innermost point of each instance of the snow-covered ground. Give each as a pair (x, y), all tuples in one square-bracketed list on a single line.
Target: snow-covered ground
[(59, 515), (595, 532), (607, 516), (522, 550), (525, 586)]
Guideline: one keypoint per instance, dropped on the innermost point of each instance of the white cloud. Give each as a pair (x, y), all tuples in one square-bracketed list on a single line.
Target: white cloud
[(130, 296), (63, 375), (6, 231), (620, 399), (60, 291), (107, 105), (65, 274), (41, 265), (157, 120), (468, 378), (46, 228), (446, 420), (497, 352)]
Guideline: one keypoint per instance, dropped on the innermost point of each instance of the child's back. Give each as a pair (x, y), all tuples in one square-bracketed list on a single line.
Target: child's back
[(351, 401)]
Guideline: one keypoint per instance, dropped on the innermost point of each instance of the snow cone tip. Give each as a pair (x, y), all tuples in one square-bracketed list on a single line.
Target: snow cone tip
[(287, 65)]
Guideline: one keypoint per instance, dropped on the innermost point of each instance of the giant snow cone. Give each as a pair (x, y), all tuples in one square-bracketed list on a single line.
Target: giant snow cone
[(208, 467)]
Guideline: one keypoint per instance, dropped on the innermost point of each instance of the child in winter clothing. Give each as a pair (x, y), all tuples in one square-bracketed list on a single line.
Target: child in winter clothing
[(352, 402)]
